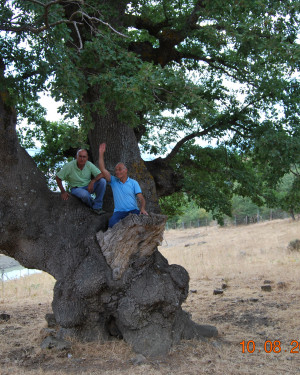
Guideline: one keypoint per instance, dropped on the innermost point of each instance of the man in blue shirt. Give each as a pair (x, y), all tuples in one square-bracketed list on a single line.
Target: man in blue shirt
[(125, 191)]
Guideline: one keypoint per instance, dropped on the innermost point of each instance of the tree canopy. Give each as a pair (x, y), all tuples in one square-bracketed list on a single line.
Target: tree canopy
[(173, 72)]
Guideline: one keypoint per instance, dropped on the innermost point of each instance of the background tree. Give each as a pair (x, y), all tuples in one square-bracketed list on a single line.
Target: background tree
[(287, 194)]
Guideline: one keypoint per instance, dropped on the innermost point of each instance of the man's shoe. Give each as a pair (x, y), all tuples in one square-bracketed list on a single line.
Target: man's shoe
[(99, 211)]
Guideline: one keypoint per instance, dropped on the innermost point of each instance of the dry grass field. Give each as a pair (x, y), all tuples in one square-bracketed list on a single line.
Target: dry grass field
[(238, 260)]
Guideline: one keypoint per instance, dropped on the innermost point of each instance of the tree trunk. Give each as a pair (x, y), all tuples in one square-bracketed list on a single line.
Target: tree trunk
[(109, 283), (292, 212), (122, 147)]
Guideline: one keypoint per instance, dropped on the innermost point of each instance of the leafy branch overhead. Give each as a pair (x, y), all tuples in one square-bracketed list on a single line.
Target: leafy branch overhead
[(179, 74), (47, 18)]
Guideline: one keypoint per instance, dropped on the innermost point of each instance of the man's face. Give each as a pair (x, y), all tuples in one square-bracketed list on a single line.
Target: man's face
[(82, 158), (121, 171)]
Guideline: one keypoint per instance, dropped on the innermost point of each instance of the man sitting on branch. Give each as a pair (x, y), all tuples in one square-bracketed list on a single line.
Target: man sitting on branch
[(84, 179), (125, 191)]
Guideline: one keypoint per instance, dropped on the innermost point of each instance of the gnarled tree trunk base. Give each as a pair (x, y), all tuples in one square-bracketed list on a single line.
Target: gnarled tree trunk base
[(133, 292)]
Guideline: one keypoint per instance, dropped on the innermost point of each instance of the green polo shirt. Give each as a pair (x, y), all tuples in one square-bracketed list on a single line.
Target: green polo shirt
[(77, 177)]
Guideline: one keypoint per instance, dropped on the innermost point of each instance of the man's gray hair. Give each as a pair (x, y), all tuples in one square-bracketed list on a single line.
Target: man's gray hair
[(81, 149), (120, 162)]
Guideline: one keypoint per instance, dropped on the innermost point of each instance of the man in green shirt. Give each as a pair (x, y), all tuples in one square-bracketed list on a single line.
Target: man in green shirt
[(84, 179)]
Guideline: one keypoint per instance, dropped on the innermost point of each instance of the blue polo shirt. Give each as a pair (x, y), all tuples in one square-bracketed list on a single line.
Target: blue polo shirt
[(125, 194)]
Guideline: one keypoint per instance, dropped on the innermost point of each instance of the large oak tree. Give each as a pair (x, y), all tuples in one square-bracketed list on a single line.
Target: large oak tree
[(143, 76)]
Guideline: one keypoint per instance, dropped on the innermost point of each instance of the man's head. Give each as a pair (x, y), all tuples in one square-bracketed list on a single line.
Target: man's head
[(81, 157), (121, 172)]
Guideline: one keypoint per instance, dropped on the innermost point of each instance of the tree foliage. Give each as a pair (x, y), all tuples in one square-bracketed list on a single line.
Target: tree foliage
[(178, 72), (287, 194)]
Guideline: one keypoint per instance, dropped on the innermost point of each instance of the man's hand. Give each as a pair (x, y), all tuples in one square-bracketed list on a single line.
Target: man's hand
[(142, 204), (91, 186), (102, 148), (64, 195), (104, 171), (143, 212)]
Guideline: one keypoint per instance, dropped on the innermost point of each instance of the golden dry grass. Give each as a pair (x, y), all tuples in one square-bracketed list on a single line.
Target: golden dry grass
[(243, 258)]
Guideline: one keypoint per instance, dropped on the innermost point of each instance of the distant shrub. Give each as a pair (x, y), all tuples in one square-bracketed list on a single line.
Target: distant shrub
[(294, 245)]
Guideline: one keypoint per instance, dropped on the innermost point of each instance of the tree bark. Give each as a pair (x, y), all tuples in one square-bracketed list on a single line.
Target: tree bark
[(292, 214), (122, 147)]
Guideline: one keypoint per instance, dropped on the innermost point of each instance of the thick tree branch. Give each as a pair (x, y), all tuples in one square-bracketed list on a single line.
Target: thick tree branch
[(295, 173), (216, 63), (157, 29), (230, 123), (187, 138), (168, 180), (167, 36), (19, 28), (141, 23), (96, 20)]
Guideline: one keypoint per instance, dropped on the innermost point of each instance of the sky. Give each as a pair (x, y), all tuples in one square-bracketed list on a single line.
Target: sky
[(52, 115), (51, 106)]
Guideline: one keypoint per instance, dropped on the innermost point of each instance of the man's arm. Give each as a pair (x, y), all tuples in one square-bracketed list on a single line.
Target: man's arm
[(142, 204), (102, 168), (93, 180), (64, 195)]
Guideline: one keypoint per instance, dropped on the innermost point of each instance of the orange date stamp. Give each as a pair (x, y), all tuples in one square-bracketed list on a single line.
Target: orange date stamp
[(270, 347)]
